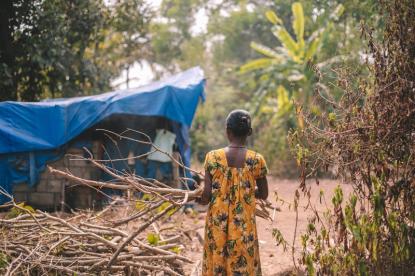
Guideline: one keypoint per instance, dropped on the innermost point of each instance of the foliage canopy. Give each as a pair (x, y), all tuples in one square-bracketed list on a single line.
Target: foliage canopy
[(56, 48)]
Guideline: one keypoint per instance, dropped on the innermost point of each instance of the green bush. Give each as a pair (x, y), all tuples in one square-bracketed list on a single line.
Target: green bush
[(369, 140)]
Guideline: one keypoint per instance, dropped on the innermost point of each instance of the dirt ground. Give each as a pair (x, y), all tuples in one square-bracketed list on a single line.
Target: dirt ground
[(274, 260)]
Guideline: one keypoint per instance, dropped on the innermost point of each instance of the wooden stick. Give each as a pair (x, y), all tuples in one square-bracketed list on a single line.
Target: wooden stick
[(135, 233)]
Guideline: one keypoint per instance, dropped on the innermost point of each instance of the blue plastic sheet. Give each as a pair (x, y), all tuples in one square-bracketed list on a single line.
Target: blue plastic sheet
[(35, 133)]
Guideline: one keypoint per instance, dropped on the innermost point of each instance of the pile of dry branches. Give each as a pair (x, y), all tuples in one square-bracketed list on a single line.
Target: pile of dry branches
[(38, 242)]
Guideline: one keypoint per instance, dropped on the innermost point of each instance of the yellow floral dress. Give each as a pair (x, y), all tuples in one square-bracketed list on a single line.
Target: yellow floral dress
[(231, 241)]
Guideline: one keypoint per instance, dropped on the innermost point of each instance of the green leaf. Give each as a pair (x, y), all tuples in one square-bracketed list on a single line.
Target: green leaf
[(256, 64), (332, 117), (140, 206), (153, 238), (164, 206), (316, 34), (279, 238), (310, 268), (15, 212), (312, 49), (273, 18), (356, 233), (283, 101), (288, 42), (175, 249), (338, 11), (298, 22), (147, 197), (338, 196), (29, 208), (375, 248), (4, 260), (265, 50), (362, 269)]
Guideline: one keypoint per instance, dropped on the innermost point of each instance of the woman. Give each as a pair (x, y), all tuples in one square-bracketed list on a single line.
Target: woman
[(234, 177)]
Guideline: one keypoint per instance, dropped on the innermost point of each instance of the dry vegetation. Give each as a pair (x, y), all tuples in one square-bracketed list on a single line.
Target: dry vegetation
[(368, 137), (87, 243)]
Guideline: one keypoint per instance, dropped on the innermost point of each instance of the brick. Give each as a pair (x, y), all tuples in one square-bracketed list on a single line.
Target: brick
[(86, 173), (86, 170), (23, 187), (95, 174), (20, 197), (60, 167), (44, 175), (80, 197), (57, 199), (52, 176), (42, 186), (58, 163), (77, 171), (50, 186), (75, 151), (77, 163), (56, 185), (41, 199)]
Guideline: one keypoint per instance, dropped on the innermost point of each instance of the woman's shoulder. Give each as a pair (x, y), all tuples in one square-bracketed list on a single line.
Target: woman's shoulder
[(215, 151), (214, 160), (216, 154), (257, 164), (254, 154)]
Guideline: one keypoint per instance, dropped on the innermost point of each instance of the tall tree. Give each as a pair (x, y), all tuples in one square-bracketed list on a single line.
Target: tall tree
[(55, 48)]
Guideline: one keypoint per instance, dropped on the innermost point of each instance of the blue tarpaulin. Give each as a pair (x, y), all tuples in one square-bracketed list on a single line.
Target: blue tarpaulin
[(36, 131)]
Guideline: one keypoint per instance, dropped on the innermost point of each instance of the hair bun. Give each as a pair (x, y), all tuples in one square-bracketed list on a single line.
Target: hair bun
[(239, 121)]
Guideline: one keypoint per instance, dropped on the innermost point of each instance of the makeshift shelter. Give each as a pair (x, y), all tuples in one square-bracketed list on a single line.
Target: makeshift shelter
[(34, 134)]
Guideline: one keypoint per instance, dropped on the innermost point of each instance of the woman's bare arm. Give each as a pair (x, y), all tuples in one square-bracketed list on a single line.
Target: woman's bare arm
[(262, 191), (207, 191)]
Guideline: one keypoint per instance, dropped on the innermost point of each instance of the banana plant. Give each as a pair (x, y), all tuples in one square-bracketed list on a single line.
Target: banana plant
[(284, 69)]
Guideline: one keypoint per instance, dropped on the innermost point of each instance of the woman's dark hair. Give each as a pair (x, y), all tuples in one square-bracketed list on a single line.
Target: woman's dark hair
[(239, 122)]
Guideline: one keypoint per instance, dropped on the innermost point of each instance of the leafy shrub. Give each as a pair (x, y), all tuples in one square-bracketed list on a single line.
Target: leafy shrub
[(368, 139), (21, 209)]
